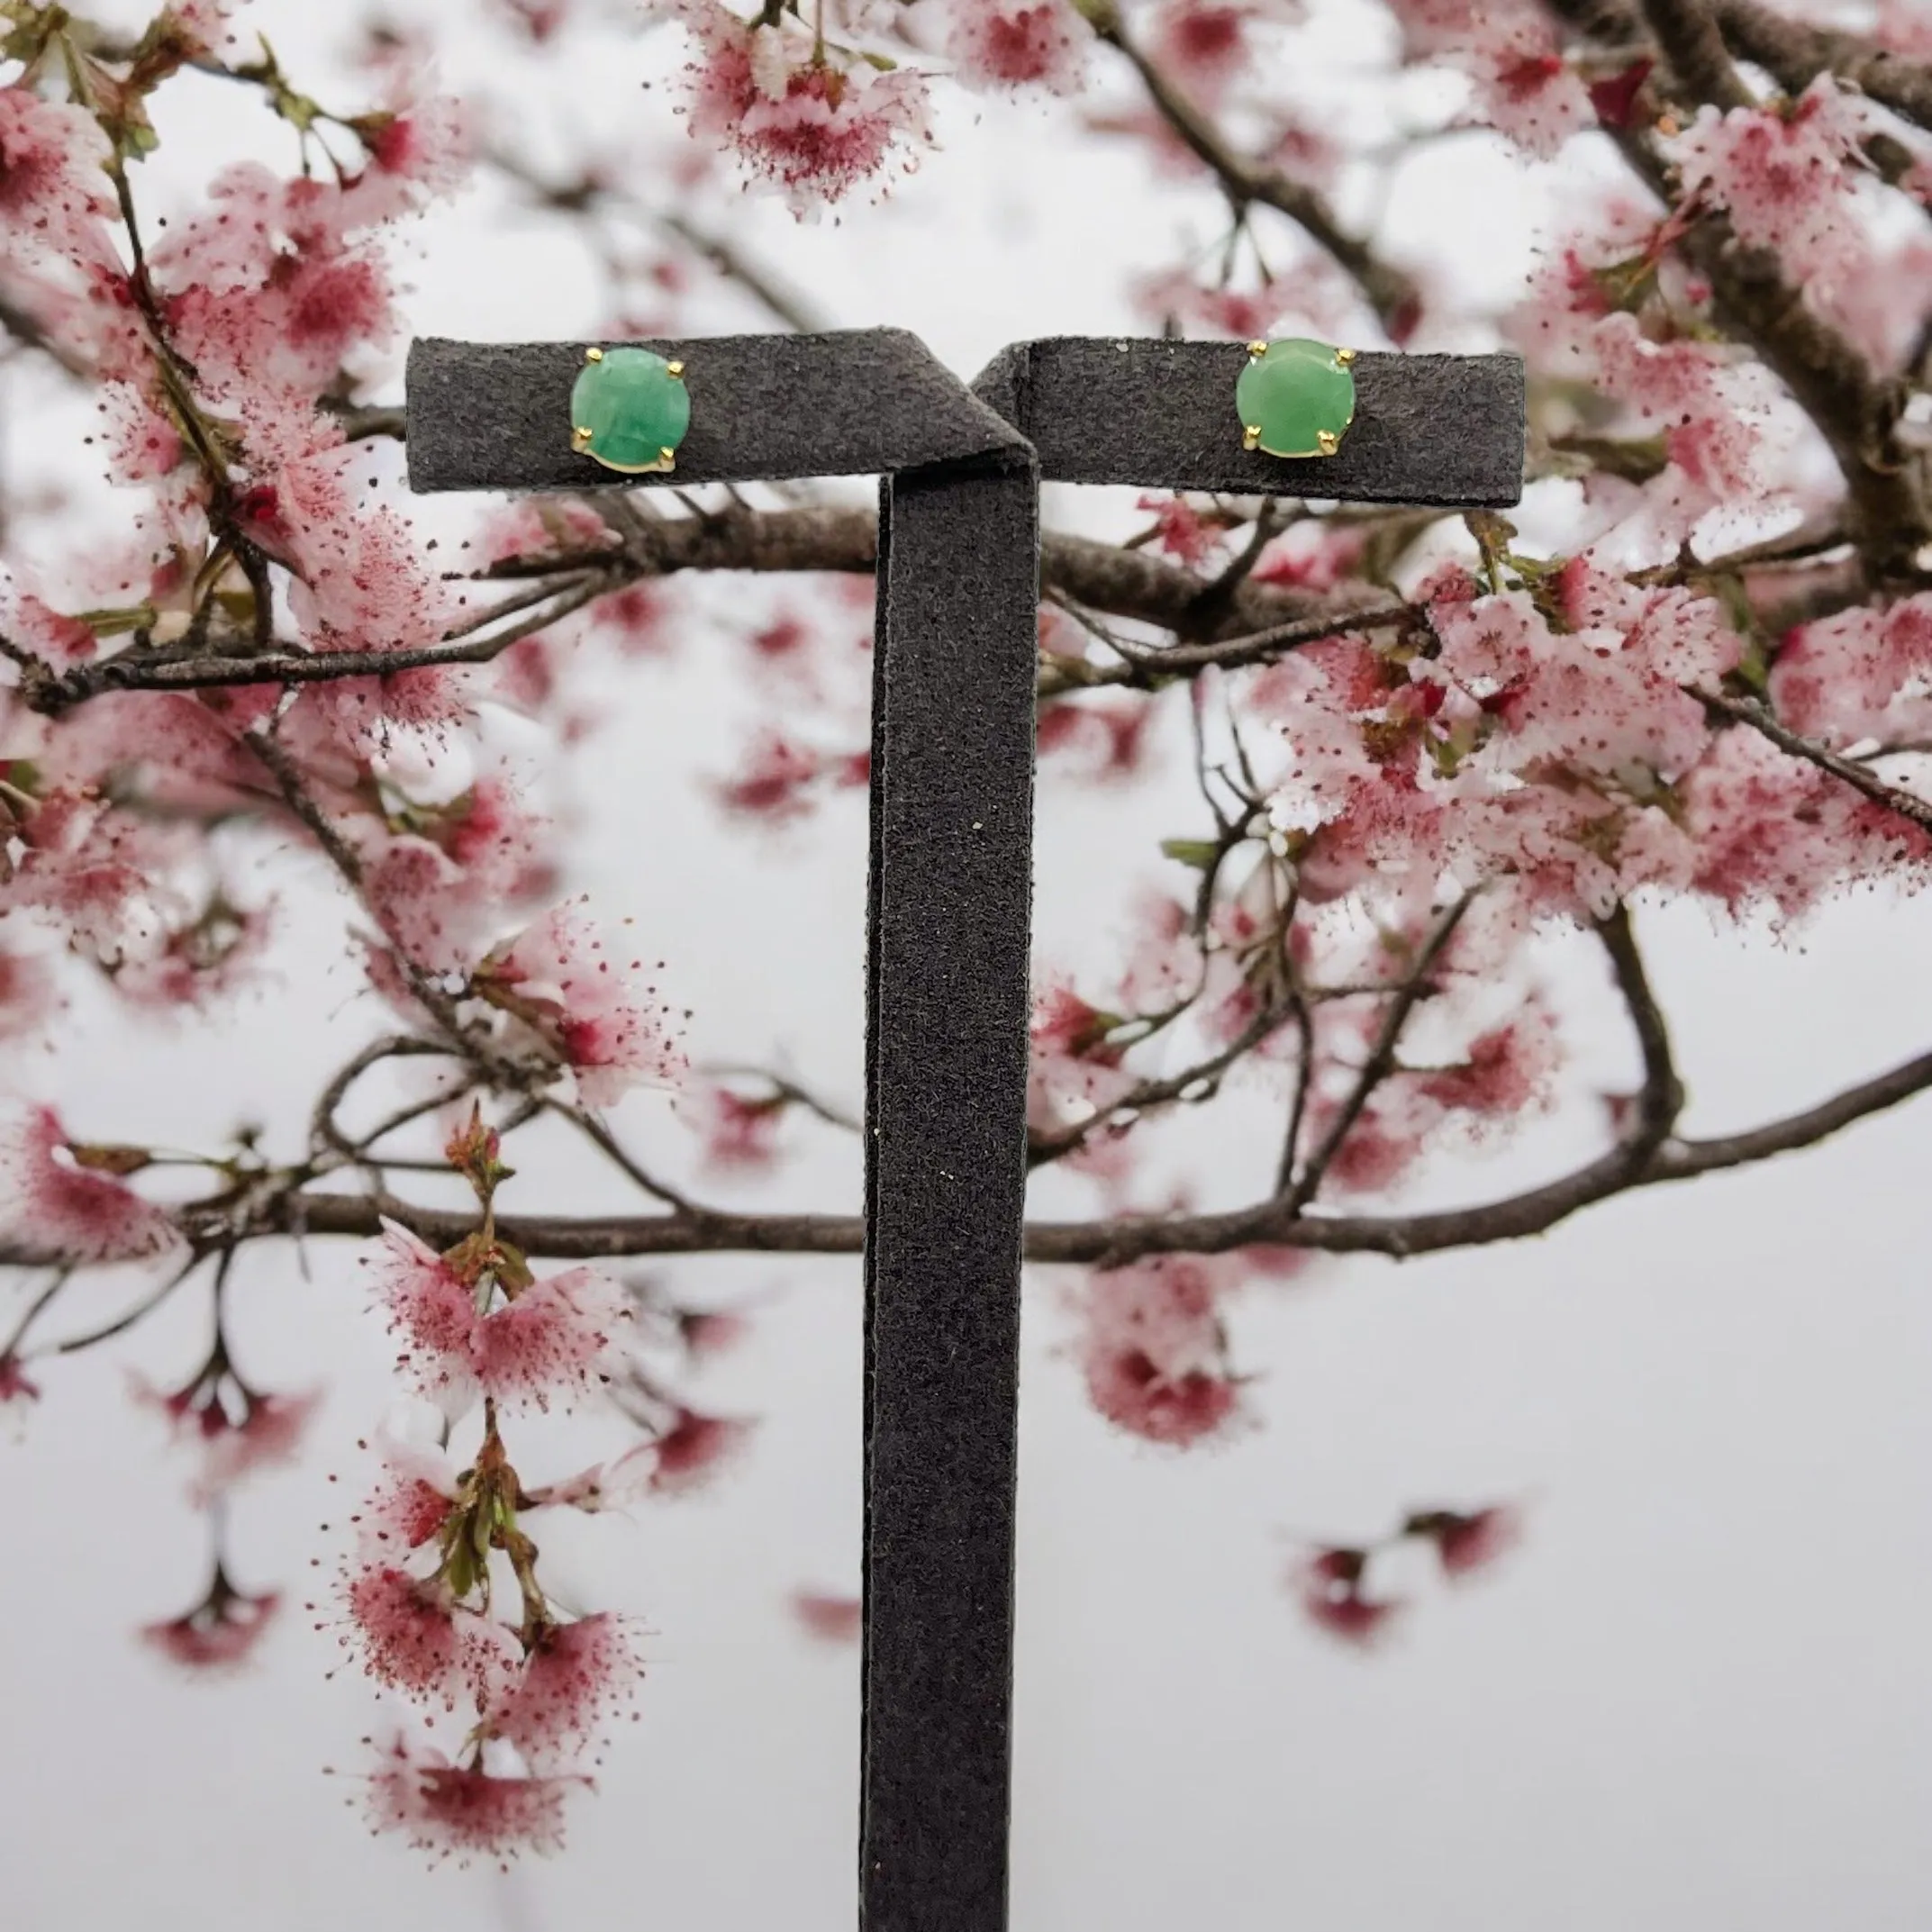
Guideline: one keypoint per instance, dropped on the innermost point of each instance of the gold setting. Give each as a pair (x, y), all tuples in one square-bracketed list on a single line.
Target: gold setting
[(580, 438), (1328, 442)]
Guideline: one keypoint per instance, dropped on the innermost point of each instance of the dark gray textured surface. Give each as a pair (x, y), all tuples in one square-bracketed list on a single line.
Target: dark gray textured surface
[(1444, 430), (861, 402), (946, 1186)]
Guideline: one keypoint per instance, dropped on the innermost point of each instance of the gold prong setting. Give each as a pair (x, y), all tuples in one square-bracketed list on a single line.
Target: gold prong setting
[(629, 409), (1295, 397)]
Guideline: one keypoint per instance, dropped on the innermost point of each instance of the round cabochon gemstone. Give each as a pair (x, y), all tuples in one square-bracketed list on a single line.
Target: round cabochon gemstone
[(635, 409), (1300, 394)]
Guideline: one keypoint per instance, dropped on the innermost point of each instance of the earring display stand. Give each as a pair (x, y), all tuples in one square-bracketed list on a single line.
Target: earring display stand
[(949, 900)]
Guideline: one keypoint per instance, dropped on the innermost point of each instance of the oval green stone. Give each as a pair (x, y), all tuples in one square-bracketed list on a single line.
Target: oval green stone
[(1292, 392), (634, 408)]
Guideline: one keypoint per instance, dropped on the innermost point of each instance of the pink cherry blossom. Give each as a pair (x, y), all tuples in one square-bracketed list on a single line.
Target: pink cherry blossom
[(1311, 555), (1153, 1351), (59, 1198), (1181, 530), (15, 1385), (237, 1431), (1011, 43), (780, 778), (740, 1131), (220, 1634), (409, 1506), (461, 1811), (692, 1451), (812, 132), (54, 195), (614, 1485), (555, 1337), (415, 1639), (204, 24), (576, 1678), (542, 529), (558, 978), (1504, 1073), (1784, 177), (425, 904), (1102, 739), (712, 1331), (98, 873), (554, 1341), (1465, 1544), (1345, 1613), (440, 892), (202, 962), (1858, 675), (1774, 832), (1524, 87), (831, 1619), (421, 147), (269, 1437), (1073, 1070), (1529, 92), (1204, 43), (60, 641)]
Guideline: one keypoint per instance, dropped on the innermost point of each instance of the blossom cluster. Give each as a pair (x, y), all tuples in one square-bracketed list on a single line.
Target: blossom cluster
[(431, 1542)]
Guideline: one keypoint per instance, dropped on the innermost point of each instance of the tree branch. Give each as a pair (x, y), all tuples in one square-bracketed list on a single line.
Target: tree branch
[(829, 538), (1687, 31), (1849, 771), (1794, 54), (1376, 1068), (1388, 291), (1533, 1211)]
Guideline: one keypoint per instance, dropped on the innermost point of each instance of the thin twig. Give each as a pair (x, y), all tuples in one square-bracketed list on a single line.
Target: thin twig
[(1379, 1064), (1389, 292), (1849, 771)]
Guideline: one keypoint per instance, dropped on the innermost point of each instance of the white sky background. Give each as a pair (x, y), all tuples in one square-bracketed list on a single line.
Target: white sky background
[(1696, 1699)]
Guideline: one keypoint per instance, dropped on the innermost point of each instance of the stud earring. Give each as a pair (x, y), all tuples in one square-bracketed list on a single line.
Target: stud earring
[(1295, 397), (629, 410)]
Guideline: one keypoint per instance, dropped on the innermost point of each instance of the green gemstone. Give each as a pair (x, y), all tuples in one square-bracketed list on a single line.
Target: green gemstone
[(635, 409), (1296, 392)]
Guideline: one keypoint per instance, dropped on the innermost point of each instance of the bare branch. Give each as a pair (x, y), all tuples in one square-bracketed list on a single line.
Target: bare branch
[(783, 303), (1513, 1218), (1376, 1068), (1795, 54), (149, 671), (1389, 292), (1687, 31), (1200, 1081), (1660, 1099)]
